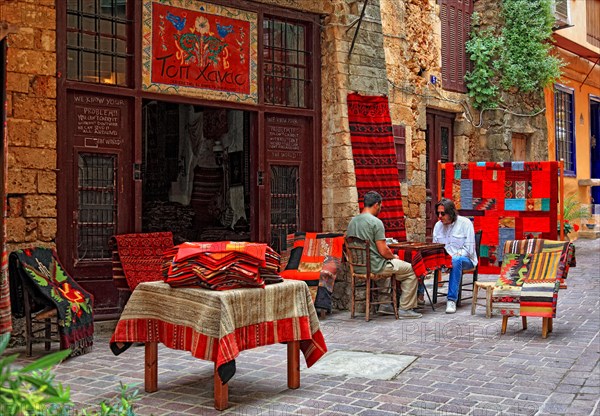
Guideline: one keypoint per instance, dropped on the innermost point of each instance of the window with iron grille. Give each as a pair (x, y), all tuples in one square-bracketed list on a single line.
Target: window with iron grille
[(285, 204), (455, 17), (286, 57), (97, 42), (564, 131), (97, 205)]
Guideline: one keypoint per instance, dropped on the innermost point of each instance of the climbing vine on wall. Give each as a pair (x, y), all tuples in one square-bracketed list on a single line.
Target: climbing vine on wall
[(513, 57)]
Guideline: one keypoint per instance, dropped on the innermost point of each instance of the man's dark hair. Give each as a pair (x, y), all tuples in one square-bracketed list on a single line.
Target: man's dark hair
[(371, 198), (449, 208)]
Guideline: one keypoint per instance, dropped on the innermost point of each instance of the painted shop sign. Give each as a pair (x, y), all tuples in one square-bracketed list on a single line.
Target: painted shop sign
[(199, 49)]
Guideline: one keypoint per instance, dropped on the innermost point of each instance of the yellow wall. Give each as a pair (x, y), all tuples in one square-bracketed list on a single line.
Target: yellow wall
[(574, 74)]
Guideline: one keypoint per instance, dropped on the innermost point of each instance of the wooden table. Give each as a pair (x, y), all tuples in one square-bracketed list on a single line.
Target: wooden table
[(425, 258), (217, 325)]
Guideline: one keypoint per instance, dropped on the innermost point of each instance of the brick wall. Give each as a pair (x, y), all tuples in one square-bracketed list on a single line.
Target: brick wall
[(31, 122)]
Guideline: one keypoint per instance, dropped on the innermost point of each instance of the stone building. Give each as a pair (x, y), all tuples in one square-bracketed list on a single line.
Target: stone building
[(118, 122)]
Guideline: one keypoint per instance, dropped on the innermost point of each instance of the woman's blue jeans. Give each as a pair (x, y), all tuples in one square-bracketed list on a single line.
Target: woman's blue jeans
[(458, 264)]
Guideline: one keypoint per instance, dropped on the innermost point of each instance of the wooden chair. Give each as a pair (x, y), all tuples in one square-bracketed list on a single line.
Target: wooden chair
[(41, 326), (466, 286), (358, 256)]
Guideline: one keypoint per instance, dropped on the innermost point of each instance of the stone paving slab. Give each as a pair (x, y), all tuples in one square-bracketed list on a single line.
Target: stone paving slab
[(463, 366)]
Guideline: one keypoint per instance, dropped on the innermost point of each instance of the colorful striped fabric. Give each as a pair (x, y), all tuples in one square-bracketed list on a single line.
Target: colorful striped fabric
[(5, 315), (530, 277), (375, 160), (425, 260), (217, 326), (221, 265)]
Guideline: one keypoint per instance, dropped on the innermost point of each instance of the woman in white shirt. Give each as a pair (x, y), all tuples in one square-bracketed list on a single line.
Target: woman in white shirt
[(458, 235)]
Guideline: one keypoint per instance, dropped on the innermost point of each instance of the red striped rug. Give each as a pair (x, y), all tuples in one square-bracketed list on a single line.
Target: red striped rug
[(375, 160)]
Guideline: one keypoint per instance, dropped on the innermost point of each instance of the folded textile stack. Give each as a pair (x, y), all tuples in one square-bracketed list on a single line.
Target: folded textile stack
[(221, 265)]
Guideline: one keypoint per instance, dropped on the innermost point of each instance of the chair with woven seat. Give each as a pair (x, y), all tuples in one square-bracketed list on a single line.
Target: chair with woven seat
[(466, 286), (358, 256)]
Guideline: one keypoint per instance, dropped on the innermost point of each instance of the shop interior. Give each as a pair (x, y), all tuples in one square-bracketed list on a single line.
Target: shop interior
[(195, 171)]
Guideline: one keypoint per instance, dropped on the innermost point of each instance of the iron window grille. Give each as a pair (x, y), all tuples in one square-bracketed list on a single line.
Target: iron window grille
[(285, 204), (97, 205), (97, 42), (564, 127), (286, 63)]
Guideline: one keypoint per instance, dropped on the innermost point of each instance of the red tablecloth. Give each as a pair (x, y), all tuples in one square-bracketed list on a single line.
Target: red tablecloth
[(424, 257)]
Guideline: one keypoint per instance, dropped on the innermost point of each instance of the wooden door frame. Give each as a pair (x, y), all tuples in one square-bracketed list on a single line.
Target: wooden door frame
[(436, 119)]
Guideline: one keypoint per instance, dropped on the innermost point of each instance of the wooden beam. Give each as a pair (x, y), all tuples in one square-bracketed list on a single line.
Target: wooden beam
[(6, 29)]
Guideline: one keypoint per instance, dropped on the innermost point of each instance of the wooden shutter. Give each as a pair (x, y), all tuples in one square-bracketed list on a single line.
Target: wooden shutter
[(455, 17), (399, 132), (593, 22)]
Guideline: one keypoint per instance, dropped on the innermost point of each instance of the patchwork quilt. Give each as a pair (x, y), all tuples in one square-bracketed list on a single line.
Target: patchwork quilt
[(507, 200)]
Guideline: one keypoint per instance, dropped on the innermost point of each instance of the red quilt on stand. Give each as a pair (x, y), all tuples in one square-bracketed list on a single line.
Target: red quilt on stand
[(507, 200), (375, 160)]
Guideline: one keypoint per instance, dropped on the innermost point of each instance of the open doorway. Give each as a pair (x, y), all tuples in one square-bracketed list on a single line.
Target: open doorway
[(195, 171)]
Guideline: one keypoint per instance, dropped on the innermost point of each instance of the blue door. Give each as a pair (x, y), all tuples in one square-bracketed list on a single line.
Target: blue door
[(595, 147)]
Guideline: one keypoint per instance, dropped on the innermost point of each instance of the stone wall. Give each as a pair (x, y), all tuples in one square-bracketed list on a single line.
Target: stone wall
[(364, 72), (31, 122), (519, 117)]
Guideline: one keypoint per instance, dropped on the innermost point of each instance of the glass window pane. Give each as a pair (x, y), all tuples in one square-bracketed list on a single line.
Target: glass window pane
[(88, 24), (72, 64), (121, 75), (88, 41), (107, 76), (106, 44), (88, 67), (105, 26), (98, 26)]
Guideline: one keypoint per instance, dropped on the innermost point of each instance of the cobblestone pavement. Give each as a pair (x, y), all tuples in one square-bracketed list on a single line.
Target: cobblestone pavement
[(464, 365)]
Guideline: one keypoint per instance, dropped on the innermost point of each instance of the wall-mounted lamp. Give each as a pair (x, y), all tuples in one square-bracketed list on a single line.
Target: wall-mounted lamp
[(218, 151)]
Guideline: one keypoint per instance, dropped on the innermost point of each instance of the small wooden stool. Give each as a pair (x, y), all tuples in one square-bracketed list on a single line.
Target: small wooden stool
[(489, 289)]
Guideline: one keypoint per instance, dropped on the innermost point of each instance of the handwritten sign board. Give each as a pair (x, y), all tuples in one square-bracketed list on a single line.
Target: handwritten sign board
[(199, 49), (99, 121), (284, 137)]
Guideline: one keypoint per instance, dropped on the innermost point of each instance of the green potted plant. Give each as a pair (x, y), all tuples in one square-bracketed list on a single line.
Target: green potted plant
[(32, 389), (572, 210)]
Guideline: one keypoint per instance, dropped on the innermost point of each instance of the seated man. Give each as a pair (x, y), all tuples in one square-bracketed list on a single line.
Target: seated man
[(368, 227), (458, 235)]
